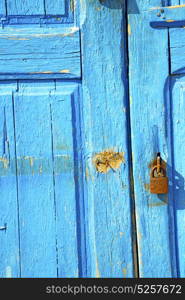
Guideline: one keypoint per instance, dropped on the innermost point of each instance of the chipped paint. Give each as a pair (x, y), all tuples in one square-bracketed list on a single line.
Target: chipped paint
[(131, 100), (8, 272), (129, 29), (64, 71), (5, 162), (124, 272), (31, 160), (169, 7), (108, 159), (97, 270), (42, 72), (87, 173), (160, 203), (17, 39), (72, 5), (147, 186), (170, 21), (40, 169)]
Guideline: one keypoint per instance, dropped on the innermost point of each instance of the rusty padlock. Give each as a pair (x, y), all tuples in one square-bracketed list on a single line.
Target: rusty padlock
[(158, 178), (158, 184)]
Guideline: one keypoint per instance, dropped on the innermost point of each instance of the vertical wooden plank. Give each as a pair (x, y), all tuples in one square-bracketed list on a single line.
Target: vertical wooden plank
[(178, 136), (56, 7), (107, 198), (25, 7), (35, 182), (148, 74), (2, 8), (9, 231), (66, 190)]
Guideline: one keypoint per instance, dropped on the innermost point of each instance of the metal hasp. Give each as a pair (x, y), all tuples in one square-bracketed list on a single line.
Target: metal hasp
[(158, 178)]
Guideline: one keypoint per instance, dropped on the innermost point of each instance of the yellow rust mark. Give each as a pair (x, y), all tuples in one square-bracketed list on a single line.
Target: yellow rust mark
[(124, 272), (31, 159), (131, 100), (5, 162), (97, 270), (147, 186), (98, 8), (171, 7), (121, 233), (129, 29), (176, 6), (72, 5), (40, 169), (86, 172), (108, 159), (64, 71), (170, 21), (161, 203), (17, 39), (42, 72)]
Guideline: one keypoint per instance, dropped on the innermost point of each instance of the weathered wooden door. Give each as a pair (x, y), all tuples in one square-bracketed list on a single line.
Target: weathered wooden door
[(63, 101), (90, 91), (156, 76)]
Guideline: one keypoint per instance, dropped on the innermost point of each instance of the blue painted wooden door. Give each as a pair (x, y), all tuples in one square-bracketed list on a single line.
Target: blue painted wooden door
[(156, 73), (63, 101)]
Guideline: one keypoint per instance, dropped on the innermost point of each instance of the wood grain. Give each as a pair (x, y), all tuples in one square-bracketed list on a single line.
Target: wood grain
[(108, 199)]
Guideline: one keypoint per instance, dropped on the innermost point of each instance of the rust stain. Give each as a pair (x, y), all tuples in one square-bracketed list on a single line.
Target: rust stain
[(108, 159), (169, 21)]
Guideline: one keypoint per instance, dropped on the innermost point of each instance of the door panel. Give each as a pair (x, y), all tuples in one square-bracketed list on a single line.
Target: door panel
[(38, 12), (35, 53), (160, 78), (40, 7), (149, 70), (178, 131)]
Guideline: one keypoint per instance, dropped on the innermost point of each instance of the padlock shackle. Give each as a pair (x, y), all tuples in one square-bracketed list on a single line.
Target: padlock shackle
[(155, 168)]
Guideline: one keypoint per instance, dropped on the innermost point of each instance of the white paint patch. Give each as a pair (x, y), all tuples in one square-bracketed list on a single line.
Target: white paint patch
[(8, 272), (82, 11)]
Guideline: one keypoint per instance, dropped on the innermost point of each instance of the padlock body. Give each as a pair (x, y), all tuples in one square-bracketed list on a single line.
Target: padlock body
[(159, 185)]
